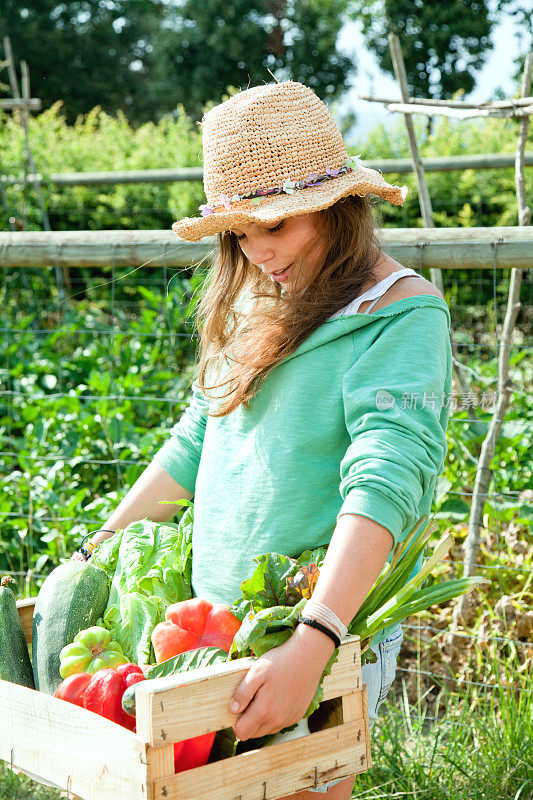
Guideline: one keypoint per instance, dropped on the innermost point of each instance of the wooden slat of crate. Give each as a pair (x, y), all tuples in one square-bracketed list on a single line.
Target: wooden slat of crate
[(71, 747), (273, 771), (191, 704), (25, 609)]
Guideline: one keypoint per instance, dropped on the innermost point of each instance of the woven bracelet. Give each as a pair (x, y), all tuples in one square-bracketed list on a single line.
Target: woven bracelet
[(88, 551), (85, 553), (319, 627), (100, 530)]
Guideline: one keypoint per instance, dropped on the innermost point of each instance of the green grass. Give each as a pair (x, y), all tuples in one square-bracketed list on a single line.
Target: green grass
[(479, 749), (18, 787)]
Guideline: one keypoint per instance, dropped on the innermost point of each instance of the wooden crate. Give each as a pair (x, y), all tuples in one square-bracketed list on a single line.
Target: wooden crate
[(65, 746)]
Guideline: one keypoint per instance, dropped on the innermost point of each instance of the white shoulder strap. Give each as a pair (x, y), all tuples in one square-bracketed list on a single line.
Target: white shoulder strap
[(376, 291)]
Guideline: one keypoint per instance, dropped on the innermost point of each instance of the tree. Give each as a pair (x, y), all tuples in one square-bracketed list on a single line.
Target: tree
[(443, 43), (146, 56), (212, 44), (86, 53)]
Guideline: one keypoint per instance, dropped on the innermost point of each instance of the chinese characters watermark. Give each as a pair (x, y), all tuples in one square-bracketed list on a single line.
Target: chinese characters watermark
[(455, 401)]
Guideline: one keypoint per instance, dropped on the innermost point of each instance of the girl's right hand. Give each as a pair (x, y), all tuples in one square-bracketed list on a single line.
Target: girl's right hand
[(77, 556)]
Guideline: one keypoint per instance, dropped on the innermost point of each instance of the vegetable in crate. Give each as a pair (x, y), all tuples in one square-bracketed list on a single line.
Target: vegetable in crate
[(395, 596), (191, 660), (148, 565), (191, 752), (72, 598), (267, 606), (90, 651), (102, 692), (15, 664), (72, 689), (276, 593), (192, 624), (271, 602)]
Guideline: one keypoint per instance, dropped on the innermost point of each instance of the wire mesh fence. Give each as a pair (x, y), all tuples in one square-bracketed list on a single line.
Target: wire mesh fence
[(91, 383)]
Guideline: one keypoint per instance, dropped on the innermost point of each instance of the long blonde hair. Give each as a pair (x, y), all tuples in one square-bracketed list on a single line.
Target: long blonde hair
[(253, 343)]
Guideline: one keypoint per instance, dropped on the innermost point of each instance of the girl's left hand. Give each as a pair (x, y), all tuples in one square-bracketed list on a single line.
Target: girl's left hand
[(279, 687)]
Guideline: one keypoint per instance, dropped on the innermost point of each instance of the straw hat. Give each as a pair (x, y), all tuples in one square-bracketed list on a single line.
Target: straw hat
[(271, 152)]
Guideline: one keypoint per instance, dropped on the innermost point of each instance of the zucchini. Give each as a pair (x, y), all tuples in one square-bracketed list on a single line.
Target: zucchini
[(15, 664), (72, 598)]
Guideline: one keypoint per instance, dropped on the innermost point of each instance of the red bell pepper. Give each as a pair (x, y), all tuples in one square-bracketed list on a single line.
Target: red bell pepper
[(104, 693), (192, 752), (72, 689), (192, 624)]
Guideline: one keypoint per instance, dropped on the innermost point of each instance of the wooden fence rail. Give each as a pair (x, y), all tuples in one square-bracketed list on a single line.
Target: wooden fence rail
[(441, 248)]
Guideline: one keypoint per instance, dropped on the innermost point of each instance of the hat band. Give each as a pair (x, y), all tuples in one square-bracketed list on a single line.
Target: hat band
[(289, 187)]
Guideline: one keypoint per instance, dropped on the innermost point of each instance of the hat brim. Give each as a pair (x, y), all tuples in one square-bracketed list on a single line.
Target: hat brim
[(272, 208)]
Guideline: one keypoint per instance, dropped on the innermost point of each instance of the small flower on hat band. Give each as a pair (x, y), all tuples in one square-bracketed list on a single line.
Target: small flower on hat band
[(225, 200), (289, 186), (355, 160), (332, 172), (206, 209)]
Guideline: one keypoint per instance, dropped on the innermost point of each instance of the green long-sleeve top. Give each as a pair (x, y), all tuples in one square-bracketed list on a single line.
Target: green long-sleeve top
[(353, 422)]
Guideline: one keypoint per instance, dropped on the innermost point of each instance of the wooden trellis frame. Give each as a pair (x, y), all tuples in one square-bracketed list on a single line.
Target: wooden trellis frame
[(521, 108), (25, 104)]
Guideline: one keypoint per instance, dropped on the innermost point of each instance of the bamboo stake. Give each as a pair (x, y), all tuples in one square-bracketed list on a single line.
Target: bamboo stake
[(424, 196), (11, 69), (463, 611), (11, 219), (24, 120), (24, 113), (16, 97), (513, 102), (459, 113), (524, 212), (29, 155), (423, 191)]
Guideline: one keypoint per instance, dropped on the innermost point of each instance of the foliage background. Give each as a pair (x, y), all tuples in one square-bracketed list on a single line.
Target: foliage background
[(144, 56), (99, 141), (90, 386)]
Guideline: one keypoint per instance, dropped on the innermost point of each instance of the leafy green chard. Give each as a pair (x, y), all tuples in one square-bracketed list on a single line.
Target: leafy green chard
[(271, 601), (303, 583), (275, 595)]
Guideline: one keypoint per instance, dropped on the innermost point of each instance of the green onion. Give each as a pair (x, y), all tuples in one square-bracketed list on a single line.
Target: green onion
[(397, 573), (422, 600), (395, 596)]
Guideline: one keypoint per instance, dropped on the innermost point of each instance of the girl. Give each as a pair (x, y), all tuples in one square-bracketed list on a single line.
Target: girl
[(317, 412)]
